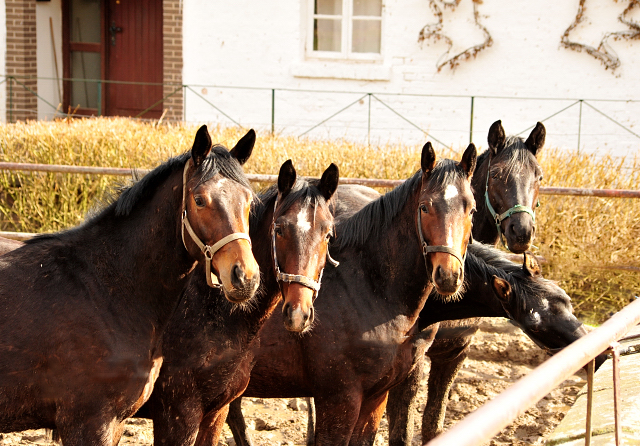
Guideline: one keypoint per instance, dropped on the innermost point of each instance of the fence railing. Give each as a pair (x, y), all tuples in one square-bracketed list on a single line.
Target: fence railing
[(582, 123), (483, 424)]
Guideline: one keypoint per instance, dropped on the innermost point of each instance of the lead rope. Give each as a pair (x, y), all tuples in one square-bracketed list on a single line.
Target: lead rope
[(207, 250), (498, 218), (295, 278)]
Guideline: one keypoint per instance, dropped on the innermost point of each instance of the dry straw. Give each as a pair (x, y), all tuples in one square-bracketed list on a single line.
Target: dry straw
[(590, 243)]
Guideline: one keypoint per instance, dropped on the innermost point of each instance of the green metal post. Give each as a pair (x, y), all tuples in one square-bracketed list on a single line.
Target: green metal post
[(579, 126), (11, 99), (471, 122), (273, 111), (369, 123), (99, 98)]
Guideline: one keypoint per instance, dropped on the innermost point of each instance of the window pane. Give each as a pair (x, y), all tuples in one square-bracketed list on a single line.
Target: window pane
[(84, 65), (366, 36), (367, 8), (328, 7), (327, 35), (85, 21)]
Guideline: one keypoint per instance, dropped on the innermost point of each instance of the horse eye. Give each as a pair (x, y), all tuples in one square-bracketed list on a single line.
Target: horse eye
[(423, 208), (278, 231), (540, 179), (199, 201)]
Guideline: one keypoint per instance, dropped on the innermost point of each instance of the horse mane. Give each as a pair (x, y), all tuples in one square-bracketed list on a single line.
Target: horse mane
[(377, 216), (514, 157), (303, 190), (123, 200), (487, 261)]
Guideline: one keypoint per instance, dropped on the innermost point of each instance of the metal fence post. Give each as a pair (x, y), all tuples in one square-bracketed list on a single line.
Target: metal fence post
[(369, 123), (273, 111), (579, 126), (99, 98), (471, 122)]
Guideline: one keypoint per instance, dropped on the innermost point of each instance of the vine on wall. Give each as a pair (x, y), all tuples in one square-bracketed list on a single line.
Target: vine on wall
[(604, 53), (434, 32)]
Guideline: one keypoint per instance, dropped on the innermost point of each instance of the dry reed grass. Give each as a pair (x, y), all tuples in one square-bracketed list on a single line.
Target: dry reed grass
[(586, 240)]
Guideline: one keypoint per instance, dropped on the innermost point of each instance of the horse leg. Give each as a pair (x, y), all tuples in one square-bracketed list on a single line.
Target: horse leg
[(311, 422), (401, 404), (211, 427), (236, 423), (446, 356), (79, 427), (179, 425), (371, 411), (336, 416)]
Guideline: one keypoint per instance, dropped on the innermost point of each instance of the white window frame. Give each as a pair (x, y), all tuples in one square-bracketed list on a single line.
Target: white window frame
[(347, 34)]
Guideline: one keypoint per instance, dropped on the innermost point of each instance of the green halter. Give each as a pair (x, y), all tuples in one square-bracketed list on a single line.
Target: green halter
[(498, 218)]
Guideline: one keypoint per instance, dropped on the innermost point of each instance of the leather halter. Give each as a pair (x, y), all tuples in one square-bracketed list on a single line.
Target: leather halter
[(498, 218), (207, 250), (295, 278), (426, 248)]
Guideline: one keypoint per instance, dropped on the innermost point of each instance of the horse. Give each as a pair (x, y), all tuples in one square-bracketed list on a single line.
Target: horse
[(392, 253), (506, 188), (7, 244), (208, 345), (84, 309), (496, 287)]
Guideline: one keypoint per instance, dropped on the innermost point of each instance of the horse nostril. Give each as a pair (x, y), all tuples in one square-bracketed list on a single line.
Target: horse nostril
[(238, 277), (286, 309)]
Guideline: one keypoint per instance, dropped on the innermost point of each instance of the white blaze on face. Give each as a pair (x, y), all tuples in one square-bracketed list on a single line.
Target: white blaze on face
[(303, 223), (450, 192)]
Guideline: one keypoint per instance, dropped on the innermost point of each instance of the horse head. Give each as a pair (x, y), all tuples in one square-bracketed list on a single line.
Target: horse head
[(445, 209), (539, 307), (512, 185), (302, 227), (215, 215)]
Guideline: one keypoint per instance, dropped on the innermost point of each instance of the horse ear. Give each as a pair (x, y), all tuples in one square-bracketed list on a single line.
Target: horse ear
[(535, 141), (244, 147), (286, 178), (531, 265), (502, 288), (469, 158), (428, 158), (496, 137), (329, 181), (201, 146)]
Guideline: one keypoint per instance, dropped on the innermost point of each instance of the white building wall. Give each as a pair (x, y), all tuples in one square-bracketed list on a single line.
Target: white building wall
[(261, 45), (49, 57)]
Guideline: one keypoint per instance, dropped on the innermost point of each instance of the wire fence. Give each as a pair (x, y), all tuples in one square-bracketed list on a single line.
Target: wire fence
[(602, 126)]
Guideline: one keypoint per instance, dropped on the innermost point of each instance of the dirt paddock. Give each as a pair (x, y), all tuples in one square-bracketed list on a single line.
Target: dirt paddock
[(500, 355)]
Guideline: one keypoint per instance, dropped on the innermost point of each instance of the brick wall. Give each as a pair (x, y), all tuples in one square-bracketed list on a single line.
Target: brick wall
[(172, 65), (21, 59)]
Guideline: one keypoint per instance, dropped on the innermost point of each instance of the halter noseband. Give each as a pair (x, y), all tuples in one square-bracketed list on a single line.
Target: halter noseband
[(295, 278), (426, 249), (499, 218), (208, 250)]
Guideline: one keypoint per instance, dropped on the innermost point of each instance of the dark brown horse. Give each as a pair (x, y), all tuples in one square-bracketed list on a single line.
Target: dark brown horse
[(506, 187), (84, 310), (208, 345), (391, 253)]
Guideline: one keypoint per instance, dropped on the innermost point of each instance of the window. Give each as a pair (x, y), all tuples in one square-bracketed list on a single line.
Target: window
[(347, 28)]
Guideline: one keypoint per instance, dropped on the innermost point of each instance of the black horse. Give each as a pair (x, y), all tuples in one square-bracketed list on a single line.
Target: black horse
[(209, 343), (84, 310), (390, 253)]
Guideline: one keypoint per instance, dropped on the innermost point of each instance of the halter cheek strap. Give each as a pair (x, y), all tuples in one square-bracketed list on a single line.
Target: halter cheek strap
[(295, 278), (426, 249), (207, 250), (498, 218)]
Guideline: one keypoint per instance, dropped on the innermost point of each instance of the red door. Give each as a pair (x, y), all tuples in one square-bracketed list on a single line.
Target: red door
[(134, 57)]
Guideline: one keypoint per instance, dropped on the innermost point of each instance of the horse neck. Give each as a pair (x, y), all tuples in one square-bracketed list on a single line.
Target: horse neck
[(484, 227), (140, 256), (395, 259), (262, 250)]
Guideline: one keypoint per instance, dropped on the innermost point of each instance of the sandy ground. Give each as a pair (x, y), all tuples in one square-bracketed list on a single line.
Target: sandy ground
[(500, 355)]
